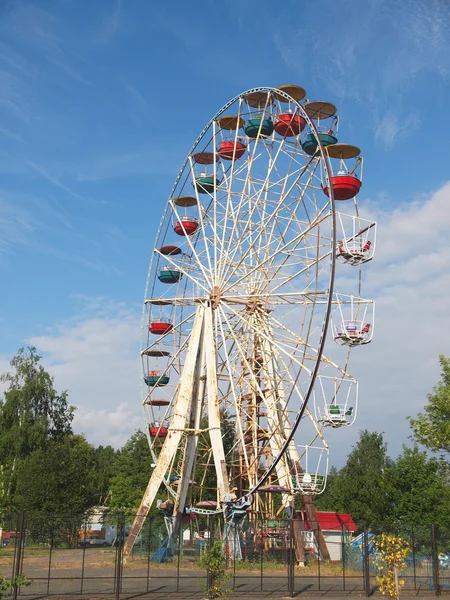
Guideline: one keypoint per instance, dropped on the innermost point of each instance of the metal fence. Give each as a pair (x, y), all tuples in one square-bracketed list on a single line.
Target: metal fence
[(83, 554)]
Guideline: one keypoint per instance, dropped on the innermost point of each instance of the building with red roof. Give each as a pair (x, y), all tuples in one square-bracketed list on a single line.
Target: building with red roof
[(333, 521), (337, 529)]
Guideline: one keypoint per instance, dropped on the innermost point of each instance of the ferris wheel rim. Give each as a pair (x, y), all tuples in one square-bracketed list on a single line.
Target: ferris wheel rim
[(322, 154)]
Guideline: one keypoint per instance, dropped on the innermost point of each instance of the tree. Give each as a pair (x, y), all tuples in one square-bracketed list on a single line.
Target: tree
[(417, 490), (104, 468), (32, 414), (59, 478), (132, 472), (332, 498), (359, 488), (432, 427)]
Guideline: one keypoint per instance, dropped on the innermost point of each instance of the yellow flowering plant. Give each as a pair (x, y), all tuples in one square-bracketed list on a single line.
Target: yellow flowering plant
[(392, 553)]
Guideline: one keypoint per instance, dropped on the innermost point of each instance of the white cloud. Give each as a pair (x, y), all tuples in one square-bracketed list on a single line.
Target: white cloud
[(96, 358)]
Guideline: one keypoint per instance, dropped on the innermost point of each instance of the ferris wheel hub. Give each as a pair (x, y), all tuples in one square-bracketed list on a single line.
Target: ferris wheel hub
[(215, 297)]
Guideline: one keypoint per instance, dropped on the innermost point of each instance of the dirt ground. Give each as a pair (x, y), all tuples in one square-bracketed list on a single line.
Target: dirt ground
[(66, 573)]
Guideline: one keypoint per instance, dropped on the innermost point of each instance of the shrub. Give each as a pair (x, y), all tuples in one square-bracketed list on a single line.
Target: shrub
[(393, 551), (213, 561), (7, 584)]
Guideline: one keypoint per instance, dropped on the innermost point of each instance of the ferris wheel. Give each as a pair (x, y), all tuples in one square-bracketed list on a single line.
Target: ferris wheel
[(239, 301)]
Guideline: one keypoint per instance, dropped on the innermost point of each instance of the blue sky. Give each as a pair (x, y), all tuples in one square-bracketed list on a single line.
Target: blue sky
[(101, 101)]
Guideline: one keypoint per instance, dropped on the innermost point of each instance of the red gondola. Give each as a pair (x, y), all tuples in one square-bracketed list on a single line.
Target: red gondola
[(158, 432), (160, 327), (345, 187), (288, 125), (187, 226), (229, 150)]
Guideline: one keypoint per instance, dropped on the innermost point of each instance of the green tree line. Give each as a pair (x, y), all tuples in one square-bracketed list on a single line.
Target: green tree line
[(46, 467)]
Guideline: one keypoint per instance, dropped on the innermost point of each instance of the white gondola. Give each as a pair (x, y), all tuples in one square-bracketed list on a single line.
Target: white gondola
[(335, 400), (353, 320), (356, 239), (310, 475)]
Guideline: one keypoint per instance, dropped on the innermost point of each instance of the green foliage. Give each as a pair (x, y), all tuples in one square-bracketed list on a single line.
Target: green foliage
[(132, 472), (432, 427), (213, 561), (360, 486), (60, 477), (332, 498), (6, 585), (32, 411), (417, 489), (104, 466), (32, 414), (411, 491)]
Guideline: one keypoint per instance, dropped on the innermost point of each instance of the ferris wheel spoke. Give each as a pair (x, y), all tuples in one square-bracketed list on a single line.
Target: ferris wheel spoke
[(202, 225), (255, 200), (277, 419), (256, 390), (230, 211), (306, 269), (278, 345), (287, 247), (278, 410), (236, 400), (182, 270), (246, 185), (299, 341), (282, 236)]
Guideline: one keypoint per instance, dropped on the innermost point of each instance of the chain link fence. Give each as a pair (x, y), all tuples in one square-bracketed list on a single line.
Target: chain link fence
[(83, 554)]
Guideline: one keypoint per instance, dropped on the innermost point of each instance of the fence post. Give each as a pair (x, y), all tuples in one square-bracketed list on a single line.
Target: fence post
[(343, 555), (210, 536), (318, 554), (119, 555), (435, 559), (291, 585), (261, 547), (235, 537), (413, 544), (149, 537), (366, 561), (83, 558), (180, 550), (19, 547), (49, 570)]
